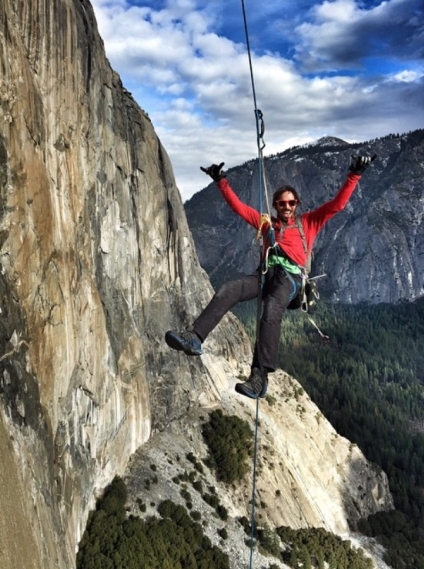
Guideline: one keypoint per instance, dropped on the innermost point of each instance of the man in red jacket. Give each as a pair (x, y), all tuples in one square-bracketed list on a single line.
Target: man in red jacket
[(286, 255)]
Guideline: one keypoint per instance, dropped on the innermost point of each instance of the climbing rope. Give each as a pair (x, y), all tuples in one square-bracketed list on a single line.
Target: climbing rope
[(260, 124), (255, 453), (260, 131)]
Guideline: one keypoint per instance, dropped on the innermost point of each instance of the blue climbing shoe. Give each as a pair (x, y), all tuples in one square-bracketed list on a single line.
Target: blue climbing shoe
[(256, 386), (187, 342)]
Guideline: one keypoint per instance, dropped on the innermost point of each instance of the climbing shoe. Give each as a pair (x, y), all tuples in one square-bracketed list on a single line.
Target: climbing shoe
[(255, 386), (187, 341)]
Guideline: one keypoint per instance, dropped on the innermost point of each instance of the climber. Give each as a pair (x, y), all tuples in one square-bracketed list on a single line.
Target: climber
[(283, 276)]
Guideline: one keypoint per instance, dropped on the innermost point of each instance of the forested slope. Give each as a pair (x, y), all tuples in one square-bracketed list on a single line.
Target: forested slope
[(368, 380)]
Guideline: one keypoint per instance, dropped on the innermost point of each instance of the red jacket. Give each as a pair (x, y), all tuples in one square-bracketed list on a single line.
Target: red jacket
[(312, 221)]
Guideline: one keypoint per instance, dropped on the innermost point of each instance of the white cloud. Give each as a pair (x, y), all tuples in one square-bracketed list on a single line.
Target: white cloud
[(196, 86), (341, 33), (340, 11), (407, 76)]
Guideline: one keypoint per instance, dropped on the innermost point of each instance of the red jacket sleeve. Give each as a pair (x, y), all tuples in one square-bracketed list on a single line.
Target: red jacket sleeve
[(315, 219), (249, 214)]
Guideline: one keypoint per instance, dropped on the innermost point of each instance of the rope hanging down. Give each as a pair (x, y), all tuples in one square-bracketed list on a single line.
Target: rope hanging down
[(260, 124), (260, 131)]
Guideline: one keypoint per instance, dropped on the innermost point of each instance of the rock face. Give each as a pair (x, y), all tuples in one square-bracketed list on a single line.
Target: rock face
[(372, 251), (96, 263), (307, 474)]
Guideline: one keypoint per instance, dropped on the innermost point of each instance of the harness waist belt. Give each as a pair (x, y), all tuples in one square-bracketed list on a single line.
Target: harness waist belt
[(274, 260)]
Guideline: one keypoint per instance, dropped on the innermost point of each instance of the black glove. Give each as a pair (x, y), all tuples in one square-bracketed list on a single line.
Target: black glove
[(214, 171), (360, 163)]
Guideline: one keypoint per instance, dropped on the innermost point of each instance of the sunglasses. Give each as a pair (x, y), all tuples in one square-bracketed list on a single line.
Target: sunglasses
[(282, 203)]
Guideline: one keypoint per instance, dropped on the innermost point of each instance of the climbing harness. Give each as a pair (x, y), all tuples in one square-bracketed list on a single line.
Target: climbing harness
[(306, 297)]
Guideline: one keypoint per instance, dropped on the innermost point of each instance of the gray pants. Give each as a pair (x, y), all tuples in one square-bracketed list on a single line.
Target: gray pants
[(278, 290)]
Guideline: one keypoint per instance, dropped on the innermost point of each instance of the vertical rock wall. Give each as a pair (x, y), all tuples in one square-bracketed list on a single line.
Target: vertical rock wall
[(96, 262)]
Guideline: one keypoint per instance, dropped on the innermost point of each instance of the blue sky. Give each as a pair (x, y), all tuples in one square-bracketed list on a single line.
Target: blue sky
[(346, 68)]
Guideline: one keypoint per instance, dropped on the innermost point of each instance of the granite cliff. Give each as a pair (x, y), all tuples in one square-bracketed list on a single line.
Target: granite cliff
[(96, 262)]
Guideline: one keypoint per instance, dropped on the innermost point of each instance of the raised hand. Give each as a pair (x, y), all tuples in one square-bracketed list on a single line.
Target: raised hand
[(360, 163), (214, 171)]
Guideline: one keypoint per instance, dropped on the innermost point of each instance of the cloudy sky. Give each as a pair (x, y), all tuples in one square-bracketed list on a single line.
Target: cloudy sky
[(346, 68)]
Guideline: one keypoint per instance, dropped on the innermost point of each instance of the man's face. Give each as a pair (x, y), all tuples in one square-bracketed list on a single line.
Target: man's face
[(286, 206)]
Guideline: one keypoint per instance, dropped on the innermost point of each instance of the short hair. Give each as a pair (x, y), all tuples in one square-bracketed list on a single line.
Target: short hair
[(281, 191)]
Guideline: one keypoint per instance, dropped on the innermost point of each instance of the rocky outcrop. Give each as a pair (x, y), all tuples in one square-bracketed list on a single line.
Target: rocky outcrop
[(96, 263), (307, 475), (373, 251)]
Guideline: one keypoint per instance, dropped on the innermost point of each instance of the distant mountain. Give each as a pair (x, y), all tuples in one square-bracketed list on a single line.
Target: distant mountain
[(372, 251), (328, 141)]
